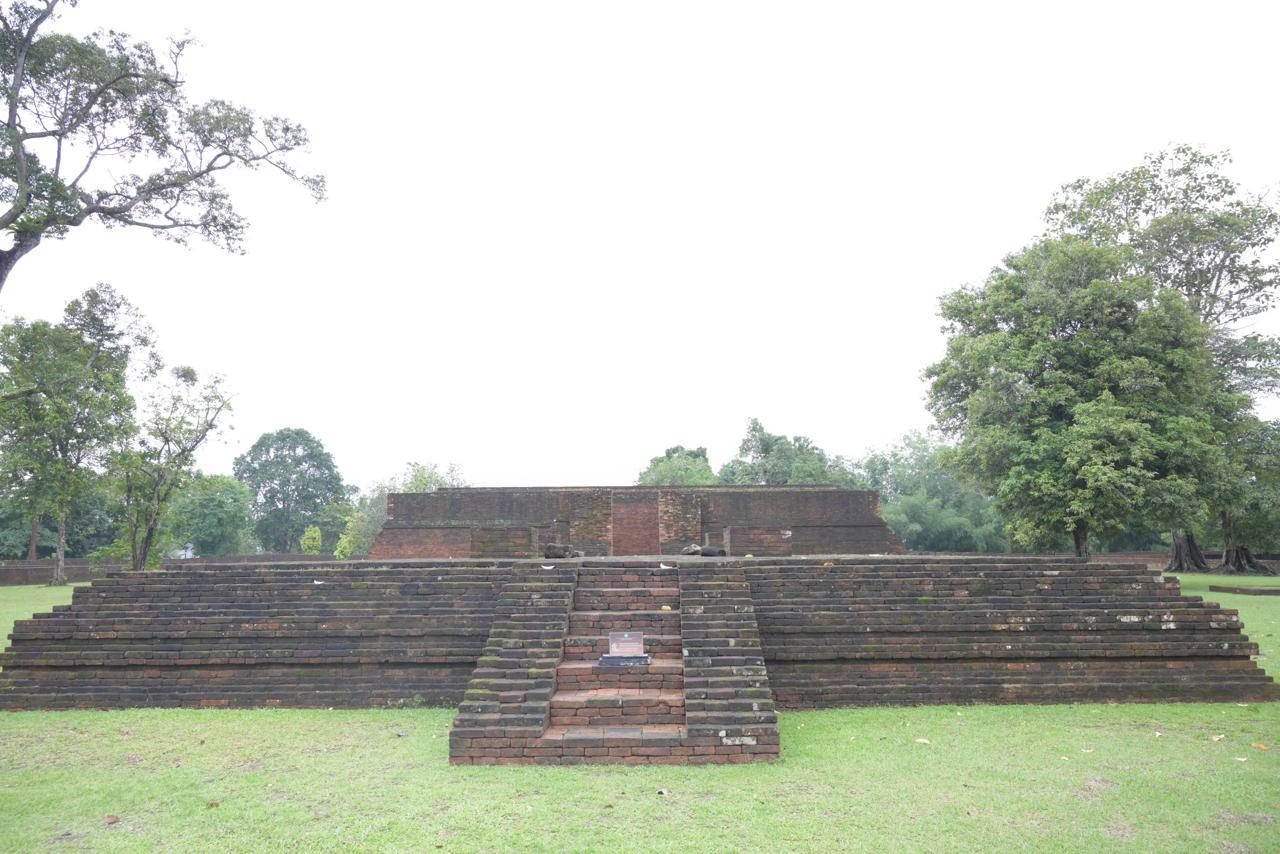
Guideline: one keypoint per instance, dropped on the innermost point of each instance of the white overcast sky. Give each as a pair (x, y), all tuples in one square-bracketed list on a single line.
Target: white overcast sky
[(562, 237)]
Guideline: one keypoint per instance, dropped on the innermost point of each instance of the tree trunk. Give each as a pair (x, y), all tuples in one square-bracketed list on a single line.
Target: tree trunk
[(60, 566), (1237, 559), (1185, 555), (23, 242), (33, 545), (1081, 538)]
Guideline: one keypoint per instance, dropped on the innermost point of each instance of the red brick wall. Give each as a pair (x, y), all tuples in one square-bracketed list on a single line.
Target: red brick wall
[(635, 523), (679, 519), (518, 522), (590, 517), (509, 542), (421, 542)]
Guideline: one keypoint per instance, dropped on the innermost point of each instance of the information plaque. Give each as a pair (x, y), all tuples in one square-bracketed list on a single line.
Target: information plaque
[(626, 649)]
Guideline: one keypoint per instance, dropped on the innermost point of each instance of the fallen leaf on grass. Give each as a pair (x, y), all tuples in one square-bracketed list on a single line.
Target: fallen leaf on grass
[(212, 805), (111, 819), (1257, 745), (608, 806)]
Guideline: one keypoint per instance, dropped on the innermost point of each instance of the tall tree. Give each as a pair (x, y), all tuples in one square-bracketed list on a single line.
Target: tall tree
[(292, 477), (927, 504), (82, 114), (679, 466), (770, 459), (1180, 221), (55, 438), (214, 514), (159, 457), (1074, 390), (1248, 503)]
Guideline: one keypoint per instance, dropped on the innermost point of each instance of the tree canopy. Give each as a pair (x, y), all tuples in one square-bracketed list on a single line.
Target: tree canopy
[(212, 513), (1179, 221), (769, 459), (293, 478), (926, 503), (1074, 390), (73, 405), (679, 466), (99, 129)]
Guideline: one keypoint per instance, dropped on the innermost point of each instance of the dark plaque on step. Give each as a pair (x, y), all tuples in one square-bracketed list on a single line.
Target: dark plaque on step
[(626, 649)]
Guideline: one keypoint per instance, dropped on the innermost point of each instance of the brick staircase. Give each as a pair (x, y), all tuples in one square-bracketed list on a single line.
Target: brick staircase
[(704, 698)]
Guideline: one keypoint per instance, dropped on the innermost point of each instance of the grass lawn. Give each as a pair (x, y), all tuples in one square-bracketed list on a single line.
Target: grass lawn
[(1187, 777)]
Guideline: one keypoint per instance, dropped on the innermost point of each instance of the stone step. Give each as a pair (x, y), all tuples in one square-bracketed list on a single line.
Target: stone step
[(616, 706), (602, 622), (650, 735), (625, 598), (664, 673), (628, 577)]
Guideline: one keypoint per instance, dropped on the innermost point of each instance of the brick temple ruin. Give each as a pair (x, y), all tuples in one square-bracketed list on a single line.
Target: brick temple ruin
[(517, 643), (634, 520)]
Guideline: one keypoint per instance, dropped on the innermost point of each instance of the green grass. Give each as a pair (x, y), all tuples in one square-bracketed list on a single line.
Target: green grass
[(1040, 778), (19, 603)]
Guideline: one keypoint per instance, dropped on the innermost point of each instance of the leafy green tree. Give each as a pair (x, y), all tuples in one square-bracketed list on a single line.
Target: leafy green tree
[(370, 511), (292, 477), (311, 541), (1249, 503), (82, 112), (214, 514), (927, 504), (1075, 392), (769, 459), (91, 523), (679, 466), (55, 439), (16, 539), (158, 459), (1178, 220)]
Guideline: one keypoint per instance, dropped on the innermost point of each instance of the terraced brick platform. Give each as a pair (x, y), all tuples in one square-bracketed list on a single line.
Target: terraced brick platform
[(517, 643)]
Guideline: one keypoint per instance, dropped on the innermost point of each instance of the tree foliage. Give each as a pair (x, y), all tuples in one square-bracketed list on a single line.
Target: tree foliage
[(158, 458), (57, 435), (213, 513), (1180, 221), (1184, 224), (312, 541), (293, 478), (1074, 390), (99, 128), (769, 459), (928, 505), (679, 466)]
